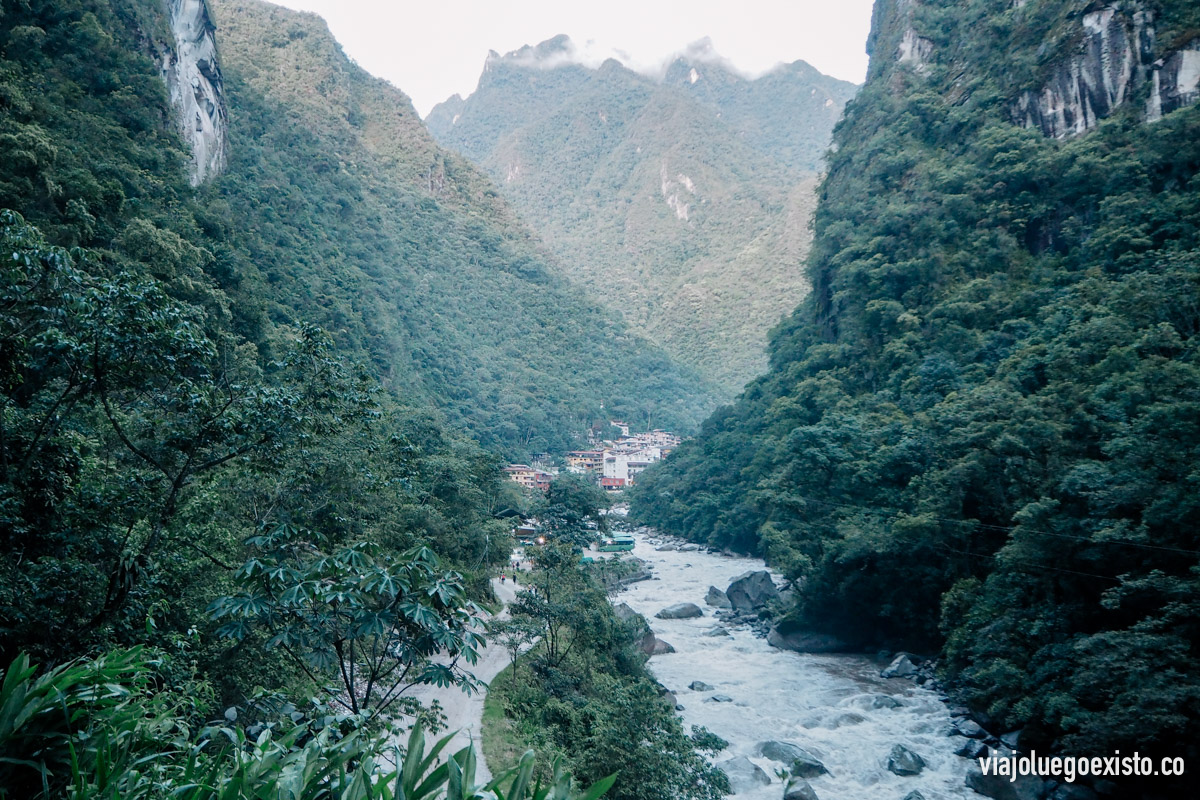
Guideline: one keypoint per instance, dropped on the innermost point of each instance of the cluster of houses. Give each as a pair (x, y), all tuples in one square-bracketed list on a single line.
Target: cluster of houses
[(614, 464)]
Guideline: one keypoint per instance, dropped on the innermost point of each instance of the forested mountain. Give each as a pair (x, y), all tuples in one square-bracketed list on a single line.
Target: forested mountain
[(980, 432), (263, 347), (682, 202), (336, 208)]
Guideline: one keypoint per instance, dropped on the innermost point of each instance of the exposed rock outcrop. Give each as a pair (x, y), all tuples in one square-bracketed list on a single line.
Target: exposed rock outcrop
[(1116, 59), (192, 73)]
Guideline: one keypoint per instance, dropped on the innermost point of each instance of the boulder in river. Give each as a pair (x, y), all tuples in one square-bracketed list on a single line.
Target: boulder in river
[(720, 698), (901, 667), (1002, 787), (661, 648), (972, 749), (902, 761), (716, 597), (803, 641), (654, 646), (690, 547), (798, 760), (970, 728), (744, 774), (664, 548), (681, 611), (914, 795), (751, 591), (699, 686), (717, 630), (799, 790)]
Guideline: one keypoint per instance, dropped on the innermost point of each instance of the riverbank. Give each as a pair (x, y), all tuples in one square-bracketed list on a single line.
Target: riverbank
[(836, 707)]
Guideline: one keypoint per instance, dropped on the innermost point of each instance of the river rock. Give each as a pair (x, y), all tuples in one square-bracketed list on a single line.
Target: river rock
[(901, 667), (625, 613), (1012, 739), (902, 761), (914, 795), (716, 597), (879, 701), (971, 748), (690, 547), (720, 698), (699, 686), (744, 774), (800, 790), (1001, 787), (681, 611), (970, 728), (798, 760), (803, 641), (751, 591), (1073, 791), (666, 548), (661, 648), (717, 630)]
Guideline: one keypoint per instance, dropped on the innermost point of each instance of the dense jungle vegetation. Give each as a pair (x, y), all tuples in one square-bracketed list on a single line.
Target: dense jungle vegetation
[(251, 433), (980, 433)]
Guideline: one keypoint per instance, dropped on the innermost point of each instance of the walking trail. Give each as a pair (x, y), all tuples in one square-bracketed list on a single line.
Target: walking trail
[(464, 713)]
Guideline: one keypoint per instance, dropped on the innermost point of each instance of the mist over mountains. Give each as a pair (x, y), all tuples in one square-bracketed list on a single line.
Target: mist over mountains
[(680, 200)]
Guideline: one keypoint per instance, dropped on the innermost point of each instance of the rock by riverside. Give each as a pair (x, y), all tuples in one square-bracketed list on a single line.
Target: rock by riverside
[(744, 774), (902, 761), (970, 728), (901, 667), (1001, 787), (699, 686), (972, 749), (681, 611), (716, 597), (798, 760), (800, 790), (914, 795), (751, 591)]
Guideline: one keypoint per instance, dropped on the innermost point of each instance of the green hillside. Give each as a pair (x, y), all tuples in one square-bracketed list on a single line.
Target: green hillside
[(979, 434), (252, 428), (682, 205)]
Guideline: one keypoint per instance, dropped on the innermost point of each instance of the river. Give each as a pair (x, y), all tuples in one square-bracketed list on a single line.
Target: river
[(823, 703)]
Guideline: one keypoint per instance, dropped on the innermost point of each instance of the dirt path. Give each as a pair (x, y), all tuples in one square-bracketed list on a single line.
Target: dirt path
[(464, 714)]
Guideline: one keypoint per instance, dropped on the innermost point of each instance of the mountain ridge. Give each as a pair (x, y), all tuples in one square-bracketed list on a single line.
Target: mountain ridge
[(682, 207)]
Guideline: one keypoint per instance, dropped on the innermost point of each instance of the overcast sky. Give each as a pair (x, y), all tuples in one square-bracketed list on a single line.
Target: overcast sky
[(435, 48)]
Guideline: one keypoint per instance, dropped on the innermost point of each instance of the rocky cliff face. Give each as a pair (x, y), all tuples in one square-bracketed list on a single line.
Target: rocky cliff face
[(1115, 63), (193, 77)]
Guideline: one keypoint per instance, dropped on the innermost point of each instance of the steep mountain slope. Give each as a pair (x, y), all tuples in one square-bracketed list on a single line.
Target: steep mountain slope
[(682, 203), (335, 208), (980, 430)]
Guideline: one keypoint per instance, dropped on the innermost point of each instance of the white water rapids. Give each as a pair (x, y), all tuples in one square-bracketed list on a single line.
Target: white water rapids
[(823, 703)]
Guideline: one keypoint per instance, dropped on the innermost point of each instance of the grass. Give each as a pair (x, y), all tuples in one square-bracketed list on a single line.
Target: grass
[(502, 743)]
